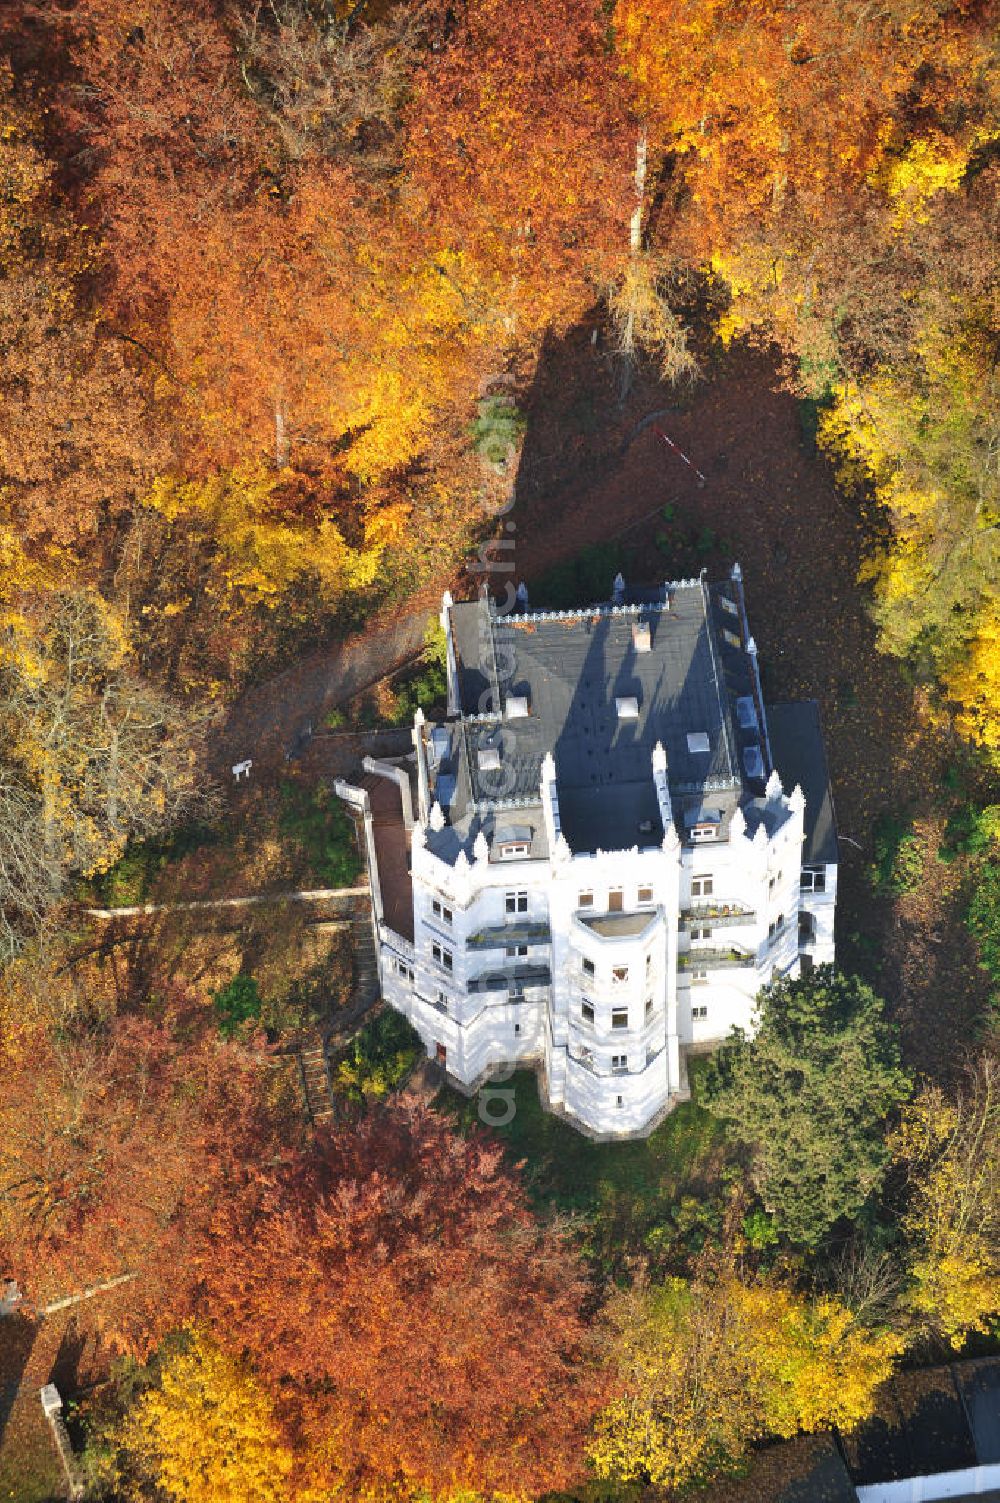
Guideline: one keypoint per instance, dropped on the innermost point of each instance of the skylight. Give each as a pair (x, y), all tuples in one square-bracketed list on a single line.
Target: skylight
[(698, 742)]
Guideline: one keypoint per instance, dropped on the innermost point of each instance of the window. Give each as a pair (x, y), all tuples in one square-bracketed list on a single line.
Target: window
[(587, 1011), (619, 1017), (775, 927), (645, 895), (730, 638), (700, 1012), (616, 900), (649, 1007), (649, 964), (515, 987), (619, 1101), (442, 911), (585, 900), (619, 973), (588, 967), (701, 887), (517, 1029), (813, 879), (701, 933), (727, 604), (770, 884), (443, 957), (703, 832), (699, 978), (516, 950), (513, 848), (619, 1065), (516, 902)]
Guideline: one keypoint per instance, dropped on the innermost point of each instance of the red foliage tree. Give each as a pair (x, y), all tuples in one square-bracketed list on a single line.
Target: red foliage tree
[(401, 1295)]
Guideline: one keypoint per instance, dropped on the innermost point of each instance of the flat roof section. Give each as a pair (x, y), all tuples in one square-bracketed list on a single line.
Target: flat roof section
[(392, 853)]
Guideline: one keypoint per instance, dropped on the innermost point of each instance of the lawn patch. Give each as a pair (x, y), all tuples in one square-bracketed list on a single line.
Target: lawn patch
[(627, 1195)]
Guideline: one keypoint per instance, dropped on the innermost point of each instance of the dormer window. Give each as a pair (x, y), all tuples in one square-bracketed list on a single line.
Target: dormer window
[(753, 762), (698, 743), (517, 707), (513, 841), (488, 758), (627, 707), (642, 638), (746, 712)]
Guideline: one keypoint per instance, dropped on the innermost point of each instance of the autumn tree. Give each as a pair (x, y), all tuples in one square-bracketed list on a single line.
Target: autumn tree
[(521, 148), (202, 1431), (705, 1369), (402, 1299), (950, 1151), (808, 1098), (120, 1134), (91, 755)]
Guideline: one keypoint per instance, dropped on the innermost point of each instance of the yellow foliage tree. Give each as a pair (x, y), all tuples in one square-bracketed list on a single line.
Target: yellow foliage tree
[(951, 1153), (208, 1433), (263, 547), (974, 682), (708, 1368), (924, 439)]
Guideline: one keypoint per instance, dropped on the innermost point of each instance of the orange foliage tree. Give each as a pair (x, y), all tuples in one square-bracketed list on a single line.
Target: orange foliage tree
[(400, 1296), (119, 1135)]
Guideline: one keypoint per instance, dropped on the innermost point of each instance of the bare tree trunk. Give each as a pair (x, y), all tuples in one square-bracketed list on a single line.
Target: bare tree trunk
[(282, 443), (635, 226), (627, 328)]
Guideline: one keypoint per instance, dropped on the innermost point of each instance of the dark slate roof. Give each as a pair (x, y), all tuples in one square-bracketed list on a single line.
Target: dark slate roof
[(797, 748), (934, 1419), (572, 667)]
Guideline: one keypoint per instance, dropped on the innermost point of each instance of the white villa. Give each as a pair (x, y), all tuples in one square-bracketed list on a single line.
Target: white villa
[(612, 842)]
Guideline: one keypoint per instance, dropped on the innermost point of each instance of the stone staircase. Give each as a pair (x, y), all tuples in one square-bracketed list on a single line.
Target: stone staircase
[(314, 1079), (366, 982)]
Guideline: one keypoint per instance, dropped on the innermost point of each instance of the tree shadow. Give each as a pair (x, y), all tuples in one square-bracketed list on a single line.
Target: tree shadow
[(17, 1337)]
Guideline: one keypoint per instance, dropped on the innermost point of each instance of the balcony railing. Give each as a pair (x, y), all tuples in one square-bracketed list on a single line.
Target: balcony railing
[(502, 935), (715, 960), (716, 915), (518, 976)]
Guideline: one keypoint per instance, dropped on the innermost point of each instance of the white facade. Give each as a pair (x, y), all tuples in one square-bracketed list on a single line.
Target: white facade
[(604, 968)]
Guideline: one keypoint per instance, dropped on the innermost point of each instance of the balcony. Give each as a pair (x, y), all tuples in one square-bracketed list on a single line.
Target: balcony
[(717, 915), (501, 935), (715, 960), (518, 977)]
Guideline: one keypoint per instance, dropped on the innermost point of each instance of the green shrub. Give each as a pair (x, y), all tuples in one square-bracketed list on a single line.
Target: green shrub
[(316, 821), (425, 685), (970, 831), (132, 879), (379, 1057), (497, 429), (983, 917), (899, 856), (236, 1004)]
